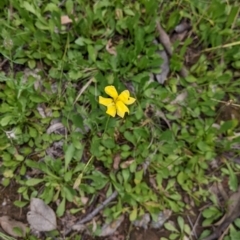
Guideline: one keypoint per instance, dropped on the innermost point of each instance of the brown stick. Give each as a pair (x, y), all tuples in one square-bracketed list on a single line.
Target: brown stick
[(166, 42), (90, 216)]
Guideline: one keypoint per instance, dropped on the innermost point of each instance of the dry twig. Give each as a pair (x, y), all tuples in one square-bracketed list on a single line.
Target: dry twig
[(232, 213), (2, 63), (166, 42), (91, 215)]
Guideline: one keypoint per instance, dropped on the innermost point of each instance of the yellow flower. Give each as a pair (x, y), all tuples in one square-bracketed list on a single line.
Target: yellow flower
[(116, 104)]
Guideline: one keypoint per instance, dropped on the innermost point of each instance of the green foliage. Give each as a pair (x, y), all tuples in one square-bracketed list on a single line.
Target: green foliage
[(179, 232), (167, 143)]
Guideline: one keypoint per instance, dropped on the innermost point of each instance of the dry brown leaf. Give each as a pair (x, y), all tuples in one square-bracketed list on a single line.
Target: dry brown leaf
[(109, 229), (164, 67), (118, 13), (162, 218), (180, 98), (126, 164), (183, 26), (110, 48), (84, 200), (233, 204), (233, 212), (9, 225), (143, 221), (79, 228), (54, 127), (65, 20), (41, 217), (116, 161)]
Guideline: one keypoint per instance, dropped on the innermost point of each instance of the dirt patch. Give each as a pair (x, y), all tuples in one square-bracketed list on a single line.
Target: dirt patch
[(7, 197)]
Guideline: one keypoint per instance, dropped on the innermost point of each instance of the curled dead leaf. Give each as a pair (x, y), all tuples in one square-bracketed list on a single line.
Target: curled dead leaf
[(180, 98), (78, 181), (116, 161), (54, 127), (84, 200), (79, 227), (118, 13), (161, 219), (13, 227), (110, 228), (234, 204), (183, 26), (110, 48), (162, 76), (126, 164), (65, 20), (143, 221)]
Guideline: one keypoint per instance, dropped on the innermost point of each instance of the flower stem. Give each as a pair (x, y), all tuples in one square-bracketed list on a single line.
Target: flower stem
[(106, 124)]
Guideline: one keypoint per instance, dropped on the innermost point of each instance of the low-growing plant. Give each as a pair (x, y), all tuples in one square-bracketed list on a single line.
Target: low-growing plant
[(152, 143)]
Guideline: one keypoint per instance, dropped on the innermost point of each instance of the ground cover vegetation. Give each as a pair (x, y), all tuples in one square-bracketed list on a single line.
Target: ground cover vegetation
[(85, 120)]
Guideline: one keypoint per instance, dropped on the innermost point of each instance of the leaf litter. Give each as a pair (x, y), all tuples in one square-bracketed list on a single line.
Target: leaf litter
[(177, 29), (232, 213), (12, 227), (41, 217)]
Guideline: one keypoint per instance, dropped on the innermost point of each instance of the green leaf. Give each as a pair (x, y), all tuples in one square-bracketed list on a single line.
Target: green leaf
[(20, 203), (69, 155), (68, 176), (210, 212), (170, 227), (51, 7), (5, 182), (126, 175), (181, 178), (19, 157), (233, 180), (133, 214), (32, 132), (61, 208), (31, 64), (37, 98), (190, 79), (138, 177), (174, 236), (203, 146), (69, 7), (108, 143), (180, 223), (204, 234), (130, 137), (237, 222), (30, 8), (232, 15), (80, 41), (69, 193), (95, 147), (5, 120), (33, 181), (128, 11), (92, 53), (235, 235), (228, 125)]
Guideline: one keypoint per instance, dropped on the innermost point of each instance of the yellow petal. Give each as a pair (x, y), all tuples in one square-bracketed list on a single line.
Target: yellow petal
[(125, 97), (111, 110), (105, 101), (121, 109), (111, 91)]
